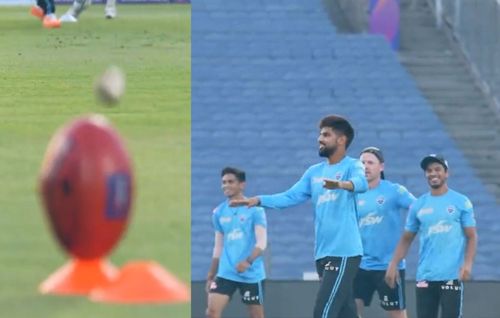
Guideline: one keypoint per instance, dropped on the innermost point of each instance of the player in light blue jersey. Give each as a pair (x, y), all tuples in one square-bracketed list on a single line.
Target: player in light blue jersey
[(380, 224), (444, 219), (240, 239), (332, 186)]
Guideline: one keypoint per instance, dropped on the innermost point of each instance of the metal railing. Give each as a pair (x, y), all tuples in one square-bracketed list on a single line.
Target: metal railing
[(476, 25)]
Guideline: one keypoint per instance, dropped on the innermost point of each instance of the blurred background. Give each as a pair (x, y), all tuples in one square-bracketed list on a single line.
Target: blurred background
[(413, 76), (46, 79)]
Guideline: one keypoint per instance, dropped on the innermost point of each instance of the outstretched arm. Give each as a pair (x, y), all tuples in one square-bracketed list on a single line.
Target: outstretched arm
[(335, 184), (250, 202), (298, 193)]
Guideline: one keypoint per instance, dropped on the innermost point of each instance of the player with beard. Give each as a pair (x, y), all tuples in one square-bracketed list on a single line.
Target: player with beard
[(381, 225), (332, 186), (445, 221)]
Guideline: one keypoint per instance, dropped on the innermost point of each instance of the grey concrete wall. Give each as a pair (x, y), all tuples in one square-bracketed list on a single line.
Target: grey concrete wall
[(295, 299)]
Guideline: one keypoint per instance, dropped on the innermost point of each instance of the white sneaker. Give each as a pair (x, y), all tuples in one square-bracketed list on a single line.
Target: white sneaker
[(110, 13), (68, 18)]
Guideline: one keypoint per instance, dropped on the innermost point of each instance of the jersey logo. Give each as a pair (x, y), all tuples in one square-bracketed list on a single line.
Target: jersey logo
[(235, 234), (224, 219), (380, 200), (242, 219), (329, 267), (450, 209), (450, 285), (440, 227), (338, 175), (318, 180), (361, 202), (213, 285), (328, 196), (370, 219), (425, 211), (422, 284)]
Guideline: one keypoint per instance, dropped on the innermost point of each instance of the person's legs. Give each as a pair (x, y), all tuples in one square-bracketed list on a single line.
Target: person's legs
[(78, 7), (110, 9), (427, 299), (219, 295), (360, 306), (252, 295), (349, 308), (256, 311), (42, 4), (392, 300), (364, 288), (397, 313), (335, 297), (216, 304), (451, 299)]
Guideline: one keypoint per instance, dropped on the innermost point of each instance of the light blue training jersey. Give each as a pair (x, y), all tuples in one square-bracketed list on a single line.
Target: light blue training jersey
[(335, 221), (439, 220), (381, 223), (237, 224)]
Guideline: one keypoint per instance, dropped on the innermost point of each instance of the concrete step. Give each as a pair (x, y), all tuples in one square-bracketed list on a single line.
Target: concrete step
[(447, 84)]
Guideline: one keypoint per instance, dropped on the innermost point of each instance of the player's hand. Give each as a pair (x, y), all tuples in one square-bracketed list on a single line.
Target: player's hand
[(465, 272), (242, 266), (391, 276), (250, 202), (331, 184), (208, 284)]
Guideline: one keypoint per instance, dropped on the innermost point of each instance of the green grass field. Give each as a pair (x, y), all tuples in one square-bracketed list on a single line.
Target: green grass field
[(46, 78)]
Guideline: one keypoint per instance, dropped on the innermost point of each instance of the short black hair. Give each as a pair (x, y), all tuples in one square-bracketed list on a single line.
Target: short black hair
[(339, 124), (240, 174)]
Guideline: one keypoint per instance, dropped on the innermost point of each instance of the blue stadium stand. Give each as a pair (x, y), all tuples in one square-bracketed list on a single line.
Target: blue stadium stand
[(263, 74)]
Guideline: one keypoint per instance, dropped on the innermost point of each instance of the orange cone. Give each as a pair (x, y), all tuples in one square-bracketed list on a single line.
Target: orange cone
[(79, 277), (143, 282)]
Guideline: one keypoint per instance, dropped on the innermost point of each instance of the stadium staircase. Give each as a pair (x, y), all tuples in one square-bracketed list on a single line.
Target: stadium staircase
[(443, 77), (263, 74)]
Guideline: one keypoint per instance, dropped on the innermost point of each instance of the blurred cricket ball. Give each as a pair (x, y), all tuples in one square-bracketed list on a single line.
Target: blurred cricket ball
[(86, 186), (110, 86)]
